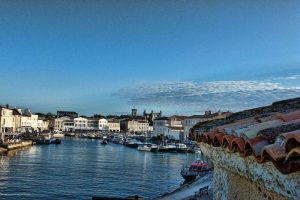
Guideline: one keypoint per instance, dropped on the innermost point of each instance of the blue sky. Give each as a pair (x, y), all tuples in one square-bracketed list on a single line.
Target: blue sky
[(176, 56)]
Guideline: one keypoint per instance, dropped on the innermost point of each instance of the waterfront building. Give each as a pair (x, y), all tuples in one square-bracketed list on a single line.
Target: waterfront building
[(170, 127), (80, 123), (190, 121), (103, 124), (63, 124), (43, 124), (160, 126), (71, 114), (68, 126), (7, 121), (173, 132), (92, 123), (134, 125), (113, 125)]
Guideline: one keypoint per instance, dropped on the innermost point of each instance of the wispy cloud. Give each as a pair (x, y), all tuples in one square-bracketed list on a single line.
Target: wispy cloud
[(224, 95), (292, 77)]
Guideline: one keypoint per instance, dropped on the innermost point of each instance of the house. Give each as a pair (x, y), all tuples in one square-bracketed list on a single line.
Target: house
[(7, 120), (103, 124), (113, 125), (135, 125), (80, 123), (160, 126), (63, 124)]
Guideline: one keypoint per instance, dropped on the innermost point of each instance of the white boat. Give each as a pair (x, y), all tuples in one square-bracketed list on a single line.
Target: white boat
[(181, 148), (148, 147)]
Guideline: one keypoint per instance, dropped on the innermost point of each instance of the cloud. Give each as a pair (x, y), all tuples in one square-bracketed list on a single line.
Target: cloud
[(191, 95), (292, 77)]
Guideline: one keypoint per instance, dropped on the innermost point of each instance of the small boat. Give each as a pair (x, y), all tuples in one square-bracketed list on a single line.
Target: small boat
[(197, 168), (148, 147), (104, 142), (181, 148)]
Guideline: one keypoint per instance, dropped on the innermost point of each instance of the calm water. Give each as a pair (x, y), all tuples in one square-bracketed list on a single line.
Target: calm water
[(81, 168)]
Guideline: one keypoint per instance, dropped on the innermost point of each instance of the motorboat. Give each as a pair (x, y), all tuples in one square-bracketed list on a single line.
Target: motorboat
[(133, 143), (148, 147), (167, 148), (197, 168), (181, 148)]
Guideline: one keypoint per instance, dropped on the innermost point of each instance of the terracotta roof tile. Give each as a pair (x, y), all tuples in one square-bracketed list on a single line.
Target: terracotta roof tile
[(239, 145), (268, 136), (290, 116)]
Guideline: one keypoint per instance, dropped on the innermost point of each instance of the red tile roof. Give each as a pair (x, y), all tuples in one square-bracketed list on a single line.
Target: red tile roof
[(273, 137)]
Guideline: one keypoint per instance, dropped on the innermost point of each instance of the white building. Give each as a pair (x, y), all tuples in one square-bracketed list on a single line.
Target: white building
[(103, 125), (62, 123), (80, 123), (160, 126), (174, 133), (69, 125), (191, 121)]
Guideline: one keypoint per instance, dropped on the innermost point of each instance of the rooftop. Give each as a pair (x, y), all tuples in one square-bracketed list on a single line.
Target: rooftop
[(270, 133)]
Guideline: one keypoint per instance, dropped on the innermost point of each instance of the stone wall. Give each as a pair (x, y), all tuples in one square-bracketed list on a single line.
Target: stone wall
[(236, 177)]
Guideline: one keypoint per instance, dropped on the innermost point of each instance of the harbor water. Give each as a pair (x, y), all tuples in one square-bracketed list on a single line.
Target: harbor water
[(80, 168)]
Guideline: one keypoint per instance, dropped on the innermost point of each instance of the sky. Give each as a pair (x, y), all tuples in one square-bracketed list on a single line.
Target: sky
[(181, 57)]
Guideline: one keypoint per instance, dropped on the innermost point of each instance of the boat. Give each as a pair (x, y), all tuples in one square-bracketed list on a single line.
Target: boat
[(133, 143), (148, 147), (181, 148), (104, 142), (197, 168), (47, 141), (167, 148)]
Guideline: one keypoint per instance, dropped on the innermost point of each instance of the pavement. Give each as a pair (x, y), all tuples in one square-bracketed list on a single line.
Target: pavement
[(191, 191)]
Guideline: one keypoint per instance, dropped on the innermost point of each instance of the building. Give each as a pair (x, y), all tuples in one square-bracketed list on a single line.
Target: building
[(152, 115), (80, 123), (68, 125), (133, 112), (92, 124), (169, 127), (71, 114), (103, 124), (175, 133), (7, 120), (43, 124), (190, 121), (135, 125), (62, 123), (176, 121), (160, 126), (113, 125)]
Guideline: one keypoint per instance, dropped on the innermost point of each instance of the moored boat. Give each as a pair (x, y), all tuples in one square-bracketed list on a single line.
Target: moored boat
[(197, 168), (104, 141), (148, 147), (181, 148), (167, 148)]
